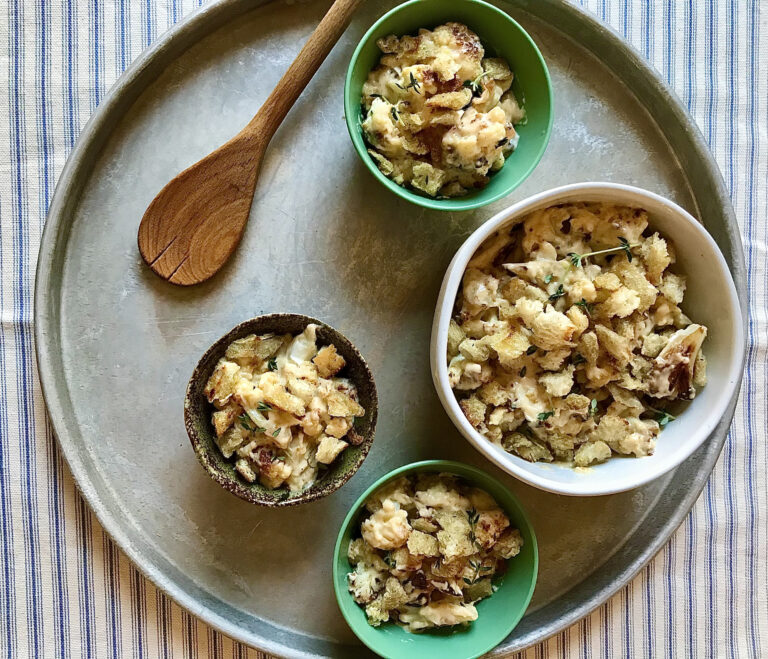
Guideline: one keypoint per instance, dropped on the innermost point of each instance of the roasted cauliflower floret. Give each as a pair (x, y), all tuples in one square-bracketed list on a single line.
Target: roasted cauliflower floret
[(672, 374), (387, 528)]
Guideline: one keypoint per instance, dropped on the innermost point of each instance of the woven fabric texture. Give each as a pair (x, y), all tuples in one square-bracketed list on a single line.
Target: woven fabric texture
[(66, 590)]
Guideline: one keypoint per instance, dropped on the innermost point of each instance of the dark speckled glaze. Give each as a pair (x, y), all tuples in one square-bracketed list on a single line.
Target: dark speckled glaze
[(197, 413)]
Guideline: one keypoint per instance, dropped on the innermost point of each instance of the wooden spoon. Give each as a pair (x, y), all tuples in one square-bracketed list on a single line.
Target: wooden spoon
[(194, 224)]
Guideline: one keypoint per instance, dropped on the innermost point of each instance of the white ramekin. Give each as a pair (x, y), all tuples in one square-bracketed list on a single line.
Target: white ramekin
[(710, 299)]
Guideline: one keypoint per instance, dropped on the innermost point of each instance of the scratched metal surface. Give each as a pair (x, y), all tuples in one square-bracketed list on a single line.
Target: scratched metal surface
[(117, 345)]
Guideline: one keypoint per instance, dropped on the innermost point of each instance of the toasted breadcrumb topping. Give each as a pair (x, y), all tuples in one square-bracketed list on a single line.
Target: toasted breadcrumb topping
[(568, 339), (281, 410)]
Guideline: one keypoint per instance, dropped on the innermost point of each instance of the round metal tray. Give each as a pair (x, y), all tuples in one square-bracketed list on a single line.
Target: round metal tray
[(116, 345)]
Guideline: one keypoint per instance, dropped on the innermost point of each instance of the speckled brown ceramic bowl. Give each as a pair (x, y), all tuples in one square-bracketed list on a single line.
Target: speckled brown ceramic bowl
[(197, 413)]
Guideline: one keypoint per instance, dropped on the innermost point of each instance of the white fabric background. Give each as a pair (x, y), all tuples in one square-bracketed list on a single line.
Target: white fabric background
[(66, 590)]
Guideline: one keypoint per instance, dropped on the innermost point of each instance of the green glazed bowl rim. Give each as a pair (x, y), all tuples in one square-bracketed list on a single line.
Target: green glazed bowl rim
[(477, 477), (351, 112)]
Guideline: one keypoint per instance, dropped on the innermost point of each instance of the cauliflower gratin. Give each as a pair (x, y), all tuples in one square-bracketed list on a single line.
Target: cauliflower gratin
[(430, 548), (568, 341), (438, 115), (281, 411)]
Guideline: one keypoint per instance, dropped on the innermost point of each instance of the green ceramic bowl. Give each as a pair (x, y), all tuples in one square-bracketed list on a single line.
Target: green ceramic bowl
[(502, 37), (497, 615)]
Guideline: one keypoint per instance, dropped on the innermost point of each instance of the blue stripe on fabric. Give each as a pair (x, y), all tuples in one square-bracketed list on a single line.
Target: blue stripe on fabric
[(730, 456), (214, 644), (112, 580), (123, 50), (752, 523), (70, 42), (189, 627), (709, 533), (84, 587), (161, 609), (148, 30), (96, 59), (60, 590), (689, 522), (6, 519), (139, 612), (668, 554), (23, 347)]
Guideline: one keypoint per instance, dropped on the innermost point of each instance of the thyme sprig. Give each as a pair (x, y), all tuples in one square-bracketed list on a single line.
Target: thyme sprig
[(587, 307), (478, 567), (475, 85), (245, 422), (413, 83), (543, 416), (662, 416), (559, 292), (625, 246), (473, 516)]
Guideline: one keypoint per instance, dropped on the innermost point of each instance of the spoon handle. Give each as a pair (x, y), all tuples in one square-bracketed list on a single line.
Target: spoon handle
[(298, 75)]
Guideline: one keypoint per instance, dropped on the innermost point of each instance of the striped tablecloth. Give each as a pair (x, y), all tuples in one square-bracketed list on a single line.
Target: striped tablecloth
[(65, 588)]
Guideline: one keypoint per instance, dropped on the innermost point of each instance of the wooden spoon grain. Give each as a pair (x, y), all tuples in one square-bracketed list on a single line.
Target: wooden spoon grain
[(194, 224)]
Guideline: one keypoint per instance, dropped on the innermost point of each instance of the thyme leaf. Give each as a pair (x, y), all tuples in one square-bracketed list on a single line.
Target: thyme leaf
[(625, 246), (272, 364), (557, 294), (531, 350), (543, 416), (475, 85), (587, 307), (413, 83), (662, 416)]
